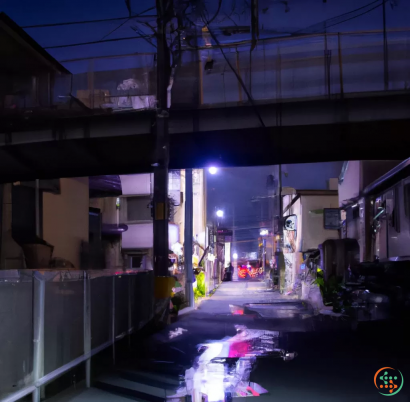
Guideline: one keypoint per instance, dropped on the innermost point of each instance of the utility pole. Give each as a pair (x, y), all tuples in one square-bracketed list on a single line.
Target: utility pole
[(161, 246), (385, 50), (37, 206), (188, 236), (233, 250), (279, 251)]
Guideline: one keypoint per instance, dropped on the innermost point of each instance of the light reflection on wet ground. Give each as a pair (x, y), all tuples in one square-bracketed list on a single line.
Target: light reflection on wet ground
[(223, 368), (332, 363)]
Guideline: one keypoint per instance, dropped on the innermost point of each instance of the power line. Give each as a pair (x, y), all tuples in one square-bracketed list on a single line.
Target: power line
[(143, 36), (366, 12), (330, 22), (115, 29), (219, 45), (95, 42), (217, 12), (57, 24), (112, 56), (316, 28), (239, 78)]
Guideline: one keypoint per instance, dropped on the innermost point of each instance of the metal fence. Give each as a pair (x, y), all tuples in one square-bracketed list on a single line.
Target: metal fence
[(52, 321), (297, 67), (312, 66), (212, 275), (278, 69), (117, 82)]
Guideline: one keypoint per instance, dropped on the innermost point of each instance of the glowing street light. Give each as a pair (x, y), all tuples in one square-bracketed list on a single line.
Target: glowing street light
[(213, 170), (264, 232), (219, 213), (235, 256)]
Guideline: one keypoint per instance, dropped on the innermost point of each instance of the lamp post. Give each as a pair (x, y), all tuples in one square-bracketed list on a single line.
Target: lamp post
[(220, 213), (264, 233)]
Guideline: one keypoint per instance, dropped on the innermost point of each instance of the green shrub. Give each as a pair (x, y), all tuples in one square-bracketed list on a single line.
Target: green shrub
[(333, 292), (200, 289)]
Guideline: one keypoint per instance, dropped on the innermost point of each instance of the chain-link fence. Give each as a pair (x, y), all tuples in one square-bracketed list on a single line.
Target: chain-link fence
[(52, 321)]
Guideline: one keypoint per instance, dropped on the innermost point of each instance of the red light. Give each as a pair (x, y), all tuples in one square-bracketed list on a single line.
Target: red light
[(253, 272), (242, 272), (254, 393)]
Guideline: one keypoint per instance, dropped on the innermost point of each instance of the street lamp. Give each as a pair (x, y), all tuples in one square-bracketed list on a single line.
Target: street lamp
[(219, 213), (213, 170), (235, 256), (264, 232)]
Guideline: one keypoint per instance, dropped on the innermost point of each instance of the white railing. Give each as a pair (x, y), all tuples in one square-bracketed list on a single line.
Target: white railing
[(52, 321)]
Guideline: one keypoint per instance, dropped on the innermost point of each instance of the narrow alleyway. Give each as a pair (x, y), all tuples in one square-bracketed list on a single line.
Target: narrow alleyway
[(239, 292), (332, 364)]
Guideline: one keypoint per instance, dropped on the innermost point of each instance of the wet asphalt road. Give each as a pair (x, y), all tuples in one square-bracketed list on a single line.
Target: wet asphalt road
[(333, 363)]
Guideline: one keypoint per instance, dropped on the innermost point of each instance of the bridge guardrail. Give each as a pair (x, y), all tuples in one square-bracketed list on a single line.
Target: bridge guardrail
[(278, 69), (317, 66)]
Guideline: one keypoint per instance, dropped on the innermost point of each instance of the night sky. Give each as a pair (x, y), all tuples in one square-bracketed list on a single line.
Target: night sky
[(234, 187), (273, 19)]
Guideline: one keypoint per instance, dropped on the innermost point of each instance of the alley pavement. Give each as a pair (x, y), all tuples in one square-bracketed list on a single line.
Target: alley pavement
[(333, 363), (238, 292)]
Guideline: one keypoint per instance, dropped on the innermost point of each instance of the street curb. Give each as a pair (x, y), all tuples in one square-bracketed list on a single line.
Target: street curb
[(185, 310)]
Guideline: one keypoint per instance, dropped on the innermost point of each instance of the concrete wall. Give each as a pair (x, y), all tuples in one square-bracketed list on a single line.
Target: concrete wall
[(199, 205), (360, 174), (351, 185), (137, 184), (11, 254), (65, 219), (313, 231), (112, 247), (292, 258), (310, 232)]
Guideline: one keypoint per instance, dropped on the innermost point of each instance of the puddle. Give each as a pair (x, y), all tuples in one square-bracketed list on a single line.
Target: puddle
[(223, 368), (273, 310)]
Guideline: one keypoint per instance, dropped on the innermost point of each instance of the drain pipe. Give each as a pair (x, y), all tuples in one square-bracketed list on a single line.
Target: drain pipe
[(169, 88)]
